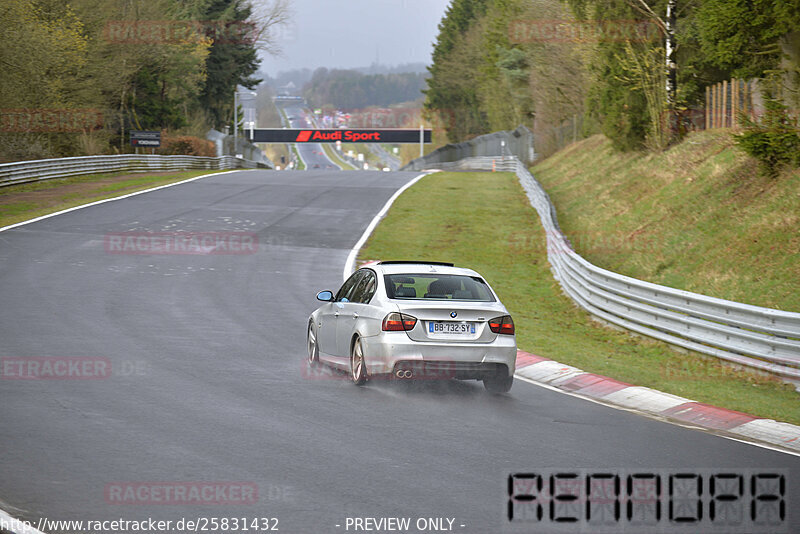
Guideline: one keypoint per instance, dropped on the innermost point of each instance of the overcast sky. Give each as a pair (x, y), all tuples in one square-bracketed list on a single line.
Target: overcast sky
[(354, 33)]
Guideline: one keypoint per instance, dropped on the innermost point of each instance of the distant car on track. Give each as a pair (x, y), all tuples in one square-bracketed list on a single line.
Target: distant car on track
[(406, 320)]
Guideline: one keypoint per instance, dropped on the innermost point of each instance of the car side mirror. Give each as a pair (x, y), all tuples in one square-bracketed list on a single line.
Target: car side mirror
[(325, 296)]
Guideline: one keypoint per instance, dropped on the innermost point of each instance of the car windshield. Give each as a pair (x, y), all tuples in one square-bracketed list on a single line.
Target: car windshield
[(433, 286)]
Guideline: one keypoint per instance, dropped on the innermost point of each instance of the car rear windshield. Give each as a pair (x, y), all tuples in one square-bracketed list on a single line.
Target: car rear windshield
[(432, 286)]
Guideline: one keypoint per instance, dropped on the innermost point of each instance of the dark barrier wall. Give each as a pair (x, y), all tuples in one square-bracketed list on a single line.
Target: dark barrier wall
[(517, 143)]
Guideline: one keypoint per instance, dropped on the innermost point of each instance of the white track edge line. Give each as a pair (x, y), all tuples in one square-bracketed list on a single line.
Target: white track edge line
[(300, 156), (349, 265), (4, 516), (96, 202), (656, 417)]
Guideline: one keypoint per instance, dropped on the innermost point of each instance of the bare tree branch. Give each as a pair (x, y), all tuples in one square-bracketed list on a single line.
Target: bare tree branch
[(642, 7), (268, 17)]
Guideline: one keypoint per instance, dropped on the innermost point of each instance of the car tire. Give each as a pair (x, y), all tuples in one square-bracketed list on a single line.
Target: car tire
[(499, 383), (313, 348), (358, 367)]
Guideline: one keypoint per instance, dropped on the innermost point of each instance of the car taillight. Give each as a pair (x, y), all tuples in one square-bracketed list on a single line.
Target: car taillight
[(397, 322), (502, 325)]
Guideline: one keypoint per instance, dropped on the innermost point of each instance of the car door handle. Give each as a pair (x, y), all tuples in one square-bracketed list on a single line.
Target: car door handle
[(355, 316), (336, 314)]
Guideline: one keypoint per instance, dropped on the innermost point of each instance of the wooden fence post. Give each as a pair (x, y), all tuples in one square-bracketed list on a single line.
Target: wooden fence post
[(725, 103), (748, 105), (713, 106)]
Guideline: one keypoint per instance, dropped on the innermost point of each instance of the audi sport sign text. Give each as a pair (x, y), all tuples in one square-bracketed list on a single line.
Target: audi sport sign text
[(393, 136), (346, 136)]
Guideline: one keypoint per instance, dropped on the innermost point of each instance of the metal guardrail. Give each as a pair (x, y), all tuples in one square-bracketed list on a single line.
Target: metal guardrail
[(247, 150), (760, 338), (36, 170), (517, 143)]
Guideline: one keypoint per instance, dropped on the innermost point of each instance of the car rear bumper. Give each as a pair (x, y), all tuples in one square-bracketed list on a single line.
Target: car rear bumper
[(441, 370), (392, 351)]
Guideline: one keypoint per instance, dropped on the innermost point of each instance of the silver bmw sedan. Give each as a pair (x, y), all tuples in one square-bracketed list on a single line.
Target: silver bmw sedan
[(415, 320)]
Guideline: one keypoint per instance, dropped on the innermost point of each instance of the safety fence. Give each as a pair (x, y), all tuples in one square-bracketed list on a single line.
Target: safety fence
[(761, 338), (36, 170), (727, 101)]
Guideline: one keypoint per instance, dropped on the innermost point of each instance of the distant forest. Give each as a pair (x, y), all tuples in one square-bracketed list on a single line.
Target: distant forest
[(300, 77), (347, 89)]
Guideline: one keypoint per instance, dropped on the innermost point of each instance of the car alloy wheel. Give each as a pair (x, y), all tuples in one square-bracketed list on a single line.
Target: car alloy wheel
[(313, 349), (358, 369)]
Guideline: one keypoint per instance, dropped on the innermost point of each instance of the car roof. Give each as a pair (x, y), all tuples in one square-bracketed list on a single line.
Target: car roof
[(419, 268)]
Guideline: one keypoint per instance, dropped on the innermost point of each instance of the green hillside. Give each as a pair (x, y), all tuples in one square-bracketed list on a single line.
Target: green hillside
[(698, 217)]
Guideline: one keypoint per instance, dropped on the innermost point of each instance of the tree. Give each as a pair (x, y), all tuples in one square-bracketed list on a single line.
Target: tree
[(558, 78), (230, 63), (614, 100), (754, 39), (40, 51), (489, 80), (147, 64), (667, 27), (141, 76), (451, 90)]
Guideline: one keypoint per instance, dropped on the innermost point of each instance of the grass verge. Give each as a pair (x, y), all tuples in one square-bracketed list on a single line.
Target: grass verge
[(333, 155), (484, 221), (698, 217), (27, 201), (301, 165), (275, 151)]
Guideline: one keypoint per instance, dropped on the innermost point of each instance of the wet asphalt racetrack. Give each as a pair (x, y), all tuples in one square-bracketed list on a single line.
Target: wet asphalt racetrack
[(209, 382)]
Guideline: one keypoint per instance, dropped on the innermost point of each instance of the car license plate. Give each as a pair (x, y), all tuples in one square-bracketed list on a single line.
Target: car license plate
[(449, 327)]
